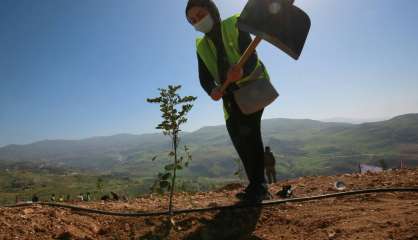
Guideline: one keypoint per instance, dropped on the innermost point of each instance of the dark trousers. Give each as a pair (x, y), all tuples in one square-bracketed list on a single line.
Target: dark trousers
[(271, 174), (245, 133)]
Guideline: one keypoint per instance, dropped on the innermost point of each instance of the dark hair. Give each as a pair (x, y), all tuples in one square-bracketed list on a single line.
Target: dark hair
[(208, 4)]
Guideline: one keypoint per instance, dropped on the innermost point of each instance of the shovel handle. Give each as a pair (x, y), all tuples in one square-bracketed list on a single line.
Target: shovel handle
[(249, 51), (243, 59)]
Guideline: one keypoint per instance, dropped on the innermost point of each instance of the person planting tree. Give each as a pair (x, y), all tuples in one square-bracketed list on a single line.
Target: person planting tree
[(218, 52)]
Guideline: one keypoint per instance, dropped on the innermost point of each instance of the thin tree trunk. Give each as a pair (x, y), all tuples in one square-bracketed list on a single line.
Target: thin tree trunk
[(173, 179)]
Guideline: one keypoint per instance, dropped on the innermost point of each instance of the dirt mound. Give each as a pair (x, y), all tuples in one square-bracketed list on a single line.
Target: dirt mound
[(366, 216)]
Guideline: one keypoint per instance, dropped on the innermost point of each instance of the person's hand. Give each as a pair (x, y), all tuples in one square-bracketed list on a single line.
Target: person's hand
[(235, 73), (216, 94)]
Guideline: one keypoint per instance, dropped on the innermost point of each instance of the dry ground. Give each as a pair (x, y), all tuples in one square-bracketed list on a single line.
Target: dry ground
[(386, 216)]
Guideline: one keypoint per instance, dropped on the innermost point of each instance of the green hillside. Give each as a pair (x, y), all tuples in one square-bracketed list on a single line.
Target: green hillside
[(301, 147)]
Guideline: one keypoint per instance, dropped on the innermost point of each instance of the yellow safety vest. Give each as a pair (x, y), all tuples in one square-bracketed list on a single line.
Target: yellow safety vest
[(230, 38)]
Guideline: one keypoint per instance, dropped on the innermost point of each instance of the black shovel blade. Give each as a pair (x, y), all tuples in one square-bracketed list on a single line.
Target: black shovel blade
[(278, 22)]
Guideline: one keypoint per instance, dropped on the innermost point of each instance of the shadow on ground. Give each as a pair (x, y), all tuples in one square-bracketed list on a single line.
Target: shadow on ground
[(229, 224)]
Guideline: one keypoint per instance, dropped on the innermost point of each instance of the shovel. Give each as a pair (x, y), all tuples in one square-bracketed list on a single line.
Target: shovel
[(276, 21)]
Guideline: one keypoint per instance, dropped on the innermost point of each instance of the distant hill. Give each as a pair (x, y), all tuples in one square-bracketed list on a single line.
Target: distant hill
[(302, 147), (353, 120)]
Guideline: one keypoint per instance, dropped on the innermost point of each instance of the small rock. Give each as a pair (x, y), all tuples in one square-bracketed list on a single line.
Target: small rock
[(331, 234), (28, 211), (95, 228)]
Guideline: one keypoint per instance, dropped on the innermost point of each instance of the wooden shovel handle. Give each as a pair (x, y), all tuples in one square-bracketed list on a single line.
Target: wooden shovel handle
[(249, 51), (244, 58)]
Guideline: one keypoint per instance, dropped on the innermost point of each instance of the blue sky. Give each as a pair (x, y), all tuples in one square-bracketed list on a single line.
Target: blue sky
[(72, 68)]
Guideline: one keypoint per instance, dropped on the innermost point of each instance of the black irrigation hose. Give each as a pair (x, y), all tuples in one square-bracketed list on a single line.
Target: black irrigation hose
[(237, 206)]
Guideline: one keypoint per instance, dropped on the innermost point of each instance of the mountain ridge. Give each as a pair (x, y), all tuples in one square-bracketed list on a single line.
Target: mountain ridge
[(328, 120), (302, 146)]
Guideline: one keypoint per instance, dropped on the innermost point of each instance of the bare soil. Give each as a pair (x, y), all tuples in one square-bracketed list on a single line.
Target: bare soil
[(386, 216)]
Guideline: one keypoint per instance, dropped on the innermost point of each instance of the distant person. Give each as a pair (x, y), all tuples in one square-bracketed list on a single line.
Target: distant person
[(35, 198), (270, 165), (88, 197), (53, 199)]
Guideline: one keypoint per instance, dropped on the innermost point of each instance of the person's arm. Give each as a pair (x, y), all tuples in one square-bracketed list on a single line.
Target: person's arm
[(244, 41), (206, 80)]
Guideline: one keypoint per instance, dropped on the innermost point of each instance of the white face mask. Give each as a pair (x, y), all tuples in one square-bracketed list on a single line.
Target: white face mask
[(205, 25)]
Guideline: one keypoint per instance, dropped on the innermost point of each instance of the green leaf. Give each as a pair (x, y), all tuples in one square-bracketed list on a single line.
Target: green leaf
[(169, 167)]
